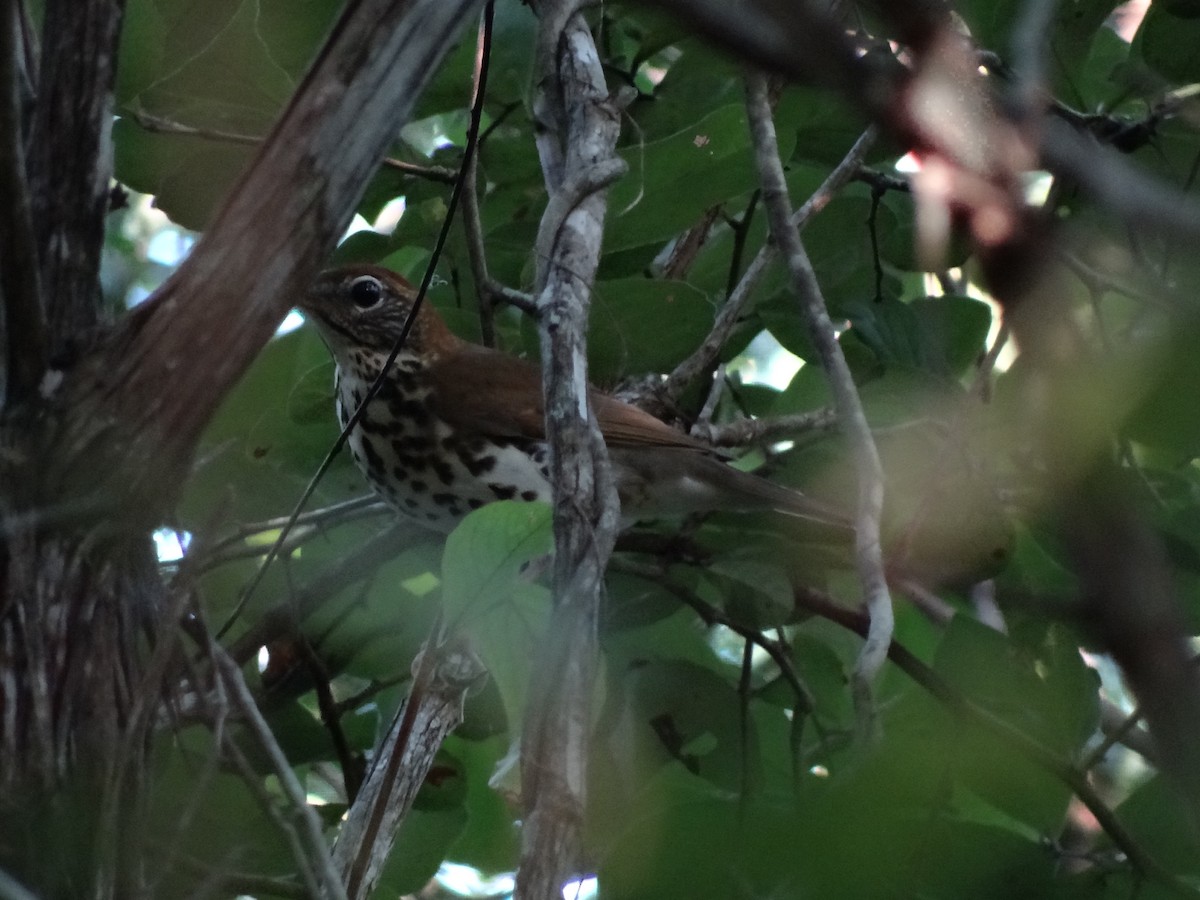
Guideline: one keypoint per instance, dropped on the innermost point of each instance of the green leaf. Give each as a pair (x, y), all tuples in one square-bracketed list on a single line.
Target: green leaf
[(704, 164), (666, 711), (485, 594), (638, 325), (267, 439), (1031, 695), (765, 600), (188, 176), (1158, 819), (486, 553), (424, 839), (1167, 43), (942, 335), (490, 842)]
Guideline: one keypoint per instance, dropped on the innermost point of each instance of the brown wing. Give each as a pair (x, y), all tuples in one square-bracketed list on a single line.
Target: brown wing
[(624, 425), (488, 392)]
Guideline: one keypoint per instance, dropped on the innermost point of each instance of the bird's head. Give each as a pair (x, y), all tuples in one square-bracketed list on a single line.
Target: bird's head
[(363, 308)]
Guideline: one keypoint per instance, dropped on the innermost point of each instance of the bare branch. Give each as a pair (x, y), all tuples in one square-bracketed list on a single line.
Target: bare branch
[(579, 129), (703, 357), (318, 850), (804, 42), (868, 544), (741, 432), (308, 525), (160, 125), (441, 679)]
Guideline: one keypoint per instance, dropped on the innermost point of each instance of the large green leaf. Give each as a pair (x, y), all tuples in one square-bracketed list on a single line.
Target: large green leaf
[(487, 596)]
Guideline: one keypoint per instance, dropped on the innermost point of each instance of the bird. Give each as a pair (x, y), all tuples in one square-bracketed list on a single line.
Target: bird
[(456, 425)]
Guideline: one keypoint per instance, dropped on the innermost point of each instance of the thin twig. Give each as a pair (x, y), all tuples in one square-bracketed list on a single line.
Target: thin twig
[(160, 125), (318, 849), (744, 431), (241, 883), (853, 421), (309, 525), (712, 615), (268, 804), (702, 358)]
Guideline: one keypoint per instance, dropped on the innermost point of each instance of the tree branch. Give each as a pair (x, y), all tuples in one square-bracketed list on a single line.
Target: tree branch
[(434, 708), (579, 129), (806, 43), (868, 543), (318, 850), (159, 125), (741, 432), (23, 324), (703, 357), (142, 400), (70, 157)]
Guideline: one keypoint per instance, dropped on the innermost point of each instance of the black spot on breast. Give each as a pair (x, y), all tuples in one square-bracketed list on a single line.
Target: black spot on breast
[(476, 465), (418, 443), (474, 503), (373, 426), (417, 486), (388, 390), (503, 491), (412, 410), (412, 463), (374, 460), (443, 471), (402, 450), (529, 496)]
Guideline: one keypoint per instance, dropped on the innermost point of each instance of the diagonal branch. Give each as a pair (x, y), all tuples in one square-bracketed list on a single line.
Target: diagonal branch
[(433, 708), (805, 43), (142, 400), (702, 359), (868, 545)]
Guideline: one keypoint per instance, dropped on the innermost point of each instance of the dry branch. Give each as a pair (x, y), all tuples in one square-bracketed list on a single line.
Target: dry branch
[(578, 133), (853, 421)]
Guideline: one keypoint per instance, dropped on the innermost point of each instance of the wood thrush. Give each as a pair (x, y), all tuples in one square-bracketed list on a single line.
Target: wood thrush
[(456, 425)]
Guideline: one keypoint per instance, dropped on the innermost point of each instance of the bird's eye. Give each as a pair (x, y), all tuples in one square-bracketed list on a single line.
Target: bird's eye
[(366, 291)]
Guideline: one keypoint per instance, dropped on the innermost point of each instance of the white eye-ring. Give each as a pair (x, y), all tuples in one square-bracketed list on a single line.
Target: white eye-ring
[(366, 291)]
